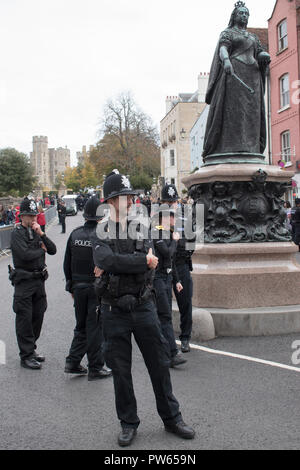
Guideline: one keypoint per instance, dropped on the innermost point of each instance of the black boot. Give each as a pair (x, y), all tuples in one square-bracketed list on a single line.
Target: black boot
[(126, 437), (31, 363), (99, 374), (177, 360), (75, 369), (181, 430), (39, 357), (185, 346)]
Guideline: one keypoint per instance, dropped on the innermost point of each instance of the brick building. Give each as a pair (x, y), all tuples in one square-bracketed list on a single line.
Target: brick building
[(284, 47)]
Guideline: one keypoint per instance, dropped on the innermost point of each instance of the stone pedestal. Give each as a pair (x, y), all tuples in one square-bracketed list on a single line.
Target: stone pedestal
[(248, 260), (250, 275)]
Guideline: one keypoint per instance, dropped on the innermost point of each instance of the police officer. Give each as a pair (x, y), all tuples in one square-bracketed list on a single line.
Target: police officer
[(183, 267), (29, 246), (62, 211), (128, 308), (165, 244), (79, 272), (169, 195)]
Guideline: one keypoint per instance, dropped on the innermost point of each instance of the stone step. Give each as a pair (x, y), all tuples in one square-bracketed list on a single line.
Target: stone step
[(261, 321)]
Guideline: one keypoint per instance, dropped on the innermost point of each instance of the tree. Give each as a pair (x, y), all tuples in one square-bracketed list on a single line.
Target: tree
[(72, 179), (129, 141), (81, 177), (88, 178), (141, 181), (16, 173), (58, 181)]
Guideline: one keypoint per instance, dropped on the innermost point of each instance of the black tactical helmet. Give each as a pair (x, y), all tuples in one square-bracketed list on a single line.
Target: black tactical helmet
[(169, 193), (117, 185), (90, 209), (28, 207)]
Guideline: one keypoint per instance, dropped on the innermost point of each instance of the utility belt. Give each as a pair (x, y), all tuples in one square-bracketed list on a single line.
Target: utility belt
[(18, 275), (128, 303)]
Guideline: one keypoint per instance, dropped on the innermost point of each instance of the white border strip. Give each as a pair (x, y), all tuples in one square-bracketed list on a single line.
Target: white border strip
[(244, 358)]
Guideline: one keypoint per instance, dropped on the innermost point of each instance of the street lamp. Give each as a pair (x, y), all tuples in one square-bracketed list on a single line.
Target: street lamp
[(182, 133)]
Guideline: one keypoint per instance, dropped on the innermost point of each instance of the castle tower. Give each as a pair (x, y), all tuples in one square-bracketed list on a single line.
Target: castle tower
[(203, 79), (39, 159)]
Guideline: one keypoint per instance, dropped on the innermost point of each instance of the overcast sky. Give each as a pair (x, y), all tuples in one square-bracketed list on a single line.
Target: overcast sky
[(60, 60)]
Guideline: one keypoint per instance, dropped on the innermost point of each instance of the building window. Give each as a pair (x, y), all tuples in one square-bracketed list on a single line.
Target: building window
[(286, 146), (172, 157), (173, 181), (282, 36), (284, 91)]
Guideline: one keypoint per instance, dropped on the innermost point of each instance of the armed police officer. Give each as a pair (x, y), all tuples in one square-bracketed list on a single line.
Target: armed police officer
[(80, 277), (183, 266), (29, 246), (165, 243), (128, 266)]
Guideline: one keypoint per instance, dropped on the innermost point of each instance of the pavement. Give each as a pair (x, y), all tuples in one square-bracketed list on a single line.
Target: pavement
[(232, 402)]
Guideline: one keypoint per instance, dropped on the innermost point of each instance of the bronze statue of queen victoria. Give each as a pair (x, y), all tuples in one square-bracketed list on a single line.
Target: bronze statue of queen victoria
[(236, 126)]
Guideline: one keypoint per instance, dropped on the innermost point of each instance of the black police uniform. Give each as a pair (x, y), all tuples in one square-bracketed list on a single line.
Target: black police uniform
[(79, 272), (63, 214), (29, 277), (164, 275), (128, 308), (184, 267)]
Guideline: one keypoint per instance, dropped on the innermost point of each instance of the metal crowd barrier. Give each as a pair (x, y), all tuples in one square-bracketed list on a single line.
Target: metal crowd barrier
[(6, 231), (5, 236), (50, 214)]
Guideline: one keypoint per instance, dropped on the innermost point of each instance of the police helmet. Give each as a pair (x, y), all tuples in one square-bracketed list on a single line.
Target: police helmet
[(117, 185), (90, 209), (114, 172), (28, 207), (169, 193)]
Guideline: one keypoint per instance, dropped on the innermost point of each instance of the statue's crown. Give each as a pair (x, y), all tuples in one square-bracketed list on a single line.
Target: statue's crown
[(239, 4)]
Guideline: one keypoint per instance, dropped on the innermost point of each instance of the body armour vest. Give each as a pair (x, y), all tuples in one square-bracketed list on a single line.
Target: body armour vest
[(129, 284), (82, 255)]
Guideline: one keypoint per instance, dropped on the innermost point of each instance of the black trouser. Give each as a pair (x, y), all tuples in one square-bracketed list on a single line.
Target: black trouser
[(184, 301), (29, 304), (163, 293), (143, 323), (88, 331), (63, 224)]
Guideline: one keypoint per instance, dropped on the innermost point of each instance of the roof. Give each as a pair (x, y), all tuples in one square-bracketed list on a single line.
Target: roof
[(186, 97), (262, 34), (273, 10), (204, 108)]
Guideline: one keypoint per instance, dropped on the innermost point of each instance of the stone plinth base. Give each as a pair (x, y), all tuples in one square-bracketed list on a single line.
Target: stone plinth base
[(257, 321), (239, 276), (203, 324), (235, 172), (263, 321)]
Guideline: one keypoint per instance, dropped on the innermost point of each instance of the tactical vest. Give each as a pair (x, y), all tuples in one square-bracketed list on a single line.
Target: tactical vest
[(82, 263), (129, 284)]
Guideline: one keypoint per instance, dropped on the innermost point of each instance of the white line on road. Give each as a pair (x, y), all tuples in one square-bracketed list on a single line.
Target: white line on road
[(244, 358)]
